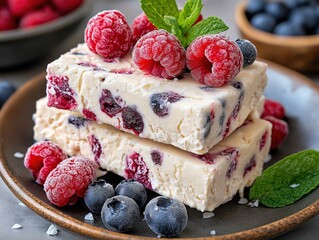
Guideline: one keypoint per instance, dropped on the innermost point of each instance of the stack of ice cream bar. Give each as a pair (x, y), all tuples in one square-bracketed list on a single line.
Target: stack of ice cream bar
[(198, 144)]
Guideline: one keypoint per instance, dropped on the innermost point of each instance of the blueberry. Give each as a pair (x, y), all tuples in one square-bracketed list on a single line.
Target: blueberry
[(133, 189), (305, 17), (132, 120), (77, 121), (264, 22), (254, 7), (278, 9), (6, 90), (120, 214), (96, 195), (159, 102), (288, 28), (248, 50), (296, 3), (166, 217)]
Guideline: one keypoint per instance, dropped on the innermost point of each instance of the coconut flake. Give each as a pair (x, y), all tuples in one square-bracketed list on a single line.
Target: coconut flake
[(213, 232), (89, 217), (254, 204), (16, 226), (294, 185), (18, 155), (243, 201), (208, 214), (52, 230)]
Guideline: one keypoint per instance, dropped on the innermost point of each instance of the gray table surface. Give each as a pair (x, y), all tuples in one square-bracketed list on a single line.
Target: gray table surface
[(34, 226)]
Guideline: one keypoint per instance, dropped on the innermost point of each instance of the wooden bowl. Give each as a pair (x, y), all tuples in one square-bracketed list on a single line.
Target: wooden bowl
[(300, 53)]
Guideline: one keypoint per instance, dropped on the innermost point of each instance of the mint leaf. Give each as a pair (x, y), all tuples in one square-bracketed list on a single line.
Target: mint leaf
[(158, 9), (287, 180), (175, 27), (211, 25), (189, 14)]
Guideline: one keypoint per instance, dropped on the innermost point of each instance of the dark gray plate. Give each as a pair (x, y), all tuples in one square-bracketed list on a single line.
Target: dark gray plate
[(231, 221)]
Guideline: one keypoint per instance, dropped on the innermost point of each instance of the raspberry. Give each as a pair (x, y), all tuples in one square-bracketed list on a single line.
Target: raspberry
[(140, 26), (7, 20), (279, 131), (273, 108), (37, 17), (41, 158), (109, 104), (66, 6), (69, 180), (214, 60), (108, 34), (159, 53), (20, 7)]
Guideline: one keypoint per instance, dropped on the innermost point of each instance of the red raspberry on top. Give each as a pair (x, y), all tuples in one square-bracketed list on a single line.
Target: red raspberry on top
[(140, 26), (7, 20), (41, 158), (70, 180), (279, 131), (37, 17), (66, 6), (214, 60), (273, 108), (108, 34), (159, 53), (21, 7)]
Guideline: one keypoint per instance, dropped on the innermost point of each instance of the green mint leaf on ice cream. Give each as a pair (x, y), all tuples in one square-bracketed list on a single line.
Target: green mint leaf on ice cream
[(164, 14), (287, 180)]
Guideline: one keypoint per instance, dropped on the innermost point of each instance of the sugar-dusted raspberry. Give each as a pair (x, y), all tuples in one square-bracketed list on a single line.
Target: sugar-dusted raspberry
[(7, 20), (279, 131), (159, 53), (21, 7), (140, 26), (214, 60), (37, 17), (41, 158), (66, 6), (70, 180), (108, 34), (273, 108)]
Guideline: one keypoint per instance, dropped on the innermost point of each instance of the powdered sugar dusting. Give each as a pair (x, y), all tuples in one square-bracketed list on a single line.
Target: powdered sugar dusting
[(213, 232), (89, 217), (243, 201), (52, 230), (208, 214), (18, 155), (294, 185), (254, 204), (16, 226), (21, 204), (268, 158)]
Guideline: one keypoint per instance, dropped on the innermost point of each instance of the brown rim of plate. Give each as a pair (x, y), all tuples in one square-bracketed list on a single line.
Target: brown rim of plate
[(265, 37), (47, 211)]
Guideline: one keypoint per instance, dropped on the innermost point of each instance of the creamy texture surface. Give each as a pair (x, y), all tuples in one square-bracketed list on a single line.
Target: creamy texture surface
[(200, 181), (183, 113)]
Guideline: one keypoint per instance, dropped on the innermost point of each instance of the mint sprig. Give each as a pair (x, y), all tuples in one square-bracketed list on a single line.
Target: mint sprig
[(287, 180), (164, 14)]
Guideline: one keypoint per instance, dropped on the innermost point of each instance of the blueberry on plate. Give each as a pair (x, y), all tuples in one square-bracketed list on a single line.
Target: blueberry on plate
[(248, 50), (96, 195), (133, 189), (254, 7), (120, 214), (278, 9), (288, 28), (165, 216), (264, 22), (6, 90)]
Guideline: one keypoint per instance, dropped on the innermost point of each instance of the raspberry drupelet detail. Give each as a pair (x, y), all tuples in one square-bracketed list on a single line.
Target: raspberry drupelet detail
[(160, 54), (141, 26), (214, 60), (108, 34)]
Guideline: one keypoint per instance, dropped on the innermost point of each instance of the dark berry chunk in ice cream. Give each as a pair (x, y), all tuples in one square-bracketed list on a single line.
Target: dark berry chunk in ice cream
[(77, 121), (159, 102), (109, 104), (132, 120)]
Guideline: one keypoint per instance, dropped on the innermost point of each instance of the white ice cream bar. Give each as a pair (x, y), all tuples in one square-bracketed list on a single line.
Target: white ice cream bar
[(183, 113), (200, 181)]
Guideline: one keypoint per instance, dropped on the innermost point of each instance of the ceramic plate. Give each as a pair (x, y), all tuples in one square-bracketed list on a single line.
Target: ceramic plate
[(301, 99)]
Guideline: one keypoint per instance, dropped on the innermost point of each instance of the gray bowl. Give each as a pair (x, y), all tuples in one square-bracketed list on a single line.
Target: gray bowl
[(21, 46)]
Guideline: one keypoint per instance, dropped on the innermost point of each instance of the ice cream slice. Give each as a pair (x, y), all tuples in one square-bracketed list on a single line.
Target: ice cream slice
[(182, 112), (200, 181)]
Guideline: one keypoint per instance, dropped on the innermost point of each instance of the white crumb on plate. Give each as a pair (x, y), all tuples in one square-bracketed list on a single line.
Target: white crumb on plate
[(268, 158), (52, 230), (89, 217), (21, 204), (294, 185), (208, 214), (16, 226), (158, 236), (213, 232), (254, 204), (18, 155), (243, 201)]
